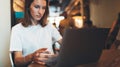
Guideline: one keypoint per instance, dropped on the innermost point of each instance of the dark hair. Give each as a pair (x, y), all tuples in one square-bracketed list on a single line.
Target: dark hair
[(26, 21)]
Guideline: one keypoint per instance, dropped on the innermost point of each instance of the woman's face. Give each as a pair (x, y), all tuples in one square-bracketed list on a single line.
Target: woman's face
[(37, 9)]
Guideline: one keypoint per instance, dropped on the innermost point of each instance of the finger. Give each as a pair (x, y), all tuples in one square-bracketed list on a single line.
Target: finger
[(37, 52), (39, 62), (42, 49), (40, 59), (48, 55), (42, 63), (47, 52), (44, 55)]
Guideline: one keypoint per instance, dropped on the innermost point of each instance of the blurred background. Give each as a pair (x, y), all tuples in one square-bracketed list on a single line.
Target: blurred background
[(101, 12), (59, 9)]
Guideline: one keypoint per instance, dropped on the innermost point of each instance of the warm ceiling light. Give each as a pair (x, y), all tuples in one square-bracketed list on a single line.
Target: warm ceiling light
[(78, 21)]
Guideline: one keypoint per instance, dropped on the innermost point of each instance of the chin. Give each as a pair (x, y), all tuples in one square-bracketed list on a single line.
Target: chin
[(38, 19)]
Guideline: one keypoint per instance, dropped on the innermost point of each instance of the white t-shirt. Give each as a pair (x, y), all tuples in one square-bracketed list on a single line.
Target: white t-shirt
[(31, 38)]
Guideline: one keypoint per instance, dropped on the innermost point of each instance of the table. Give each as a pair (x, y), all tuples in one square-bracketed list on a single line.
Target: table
[(109, 58)]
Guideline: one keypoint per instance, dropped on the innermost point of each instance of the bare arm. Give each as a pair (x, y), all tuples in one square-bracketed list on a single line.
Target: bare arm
[(21, 61), (60, 41)]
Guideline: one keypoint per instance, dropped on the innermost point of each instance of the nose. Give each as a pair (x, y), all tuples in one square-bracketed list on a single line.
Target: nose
[(41, 11)]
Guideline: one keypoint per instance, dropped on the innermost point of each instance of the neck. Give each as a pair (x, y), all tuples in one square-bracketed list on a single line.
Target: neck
[(34, 22)]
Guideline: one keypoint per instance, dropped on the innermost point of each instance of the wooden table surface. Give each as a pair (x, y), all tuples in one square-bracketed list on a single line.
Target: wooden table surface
[(109, 58)]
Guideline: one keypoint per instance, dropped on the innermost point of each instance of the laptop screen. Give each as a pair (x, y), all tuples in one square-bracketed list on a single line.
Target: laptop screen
[(81, 46)]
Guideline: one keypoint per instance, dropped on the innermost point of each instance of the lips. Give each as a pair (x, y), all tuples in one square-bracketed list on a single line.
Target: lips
[(38, 16)]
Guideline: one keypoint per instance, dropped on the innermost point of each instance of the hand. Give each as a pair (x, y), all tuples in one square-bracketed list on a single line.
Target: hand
[(36, 56), (41, 56)]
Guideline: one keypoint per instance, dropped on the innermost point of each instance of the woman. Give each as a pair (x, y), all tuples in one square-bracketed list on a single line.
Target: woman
[(34, 35)]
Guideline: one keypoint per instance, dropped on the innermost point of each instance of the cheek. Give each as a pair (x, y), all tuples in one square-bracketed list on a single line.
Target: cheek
[(32, 12)]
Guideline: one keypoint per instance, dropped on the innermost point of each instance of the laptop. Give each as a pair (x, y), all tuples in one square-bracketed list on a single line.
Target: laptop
[(81, 46)]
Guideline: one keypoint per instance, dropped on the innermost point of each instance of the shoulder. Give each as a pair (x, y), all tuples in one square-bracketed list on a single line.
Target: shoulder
[(50, 25), (17, 27)]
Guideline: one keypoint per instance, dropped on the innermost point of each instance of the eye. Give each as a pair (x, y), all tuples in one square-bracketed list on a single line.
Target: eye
[(37, 6)]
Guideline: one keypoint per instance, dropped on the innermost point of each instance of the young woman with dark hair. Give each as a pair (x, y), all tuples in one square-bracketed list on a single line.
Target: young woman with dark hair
[(33, 36)]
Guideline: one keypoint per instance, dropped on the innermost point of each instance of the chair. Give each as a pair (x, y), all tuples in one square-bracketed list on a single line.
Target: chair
[(11, 55), (55, 48), (112, 35)]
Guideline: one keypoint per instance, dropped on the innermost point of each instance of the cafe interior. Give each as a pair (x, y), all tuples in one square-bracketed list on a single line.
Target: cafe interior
[(102, 14)]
